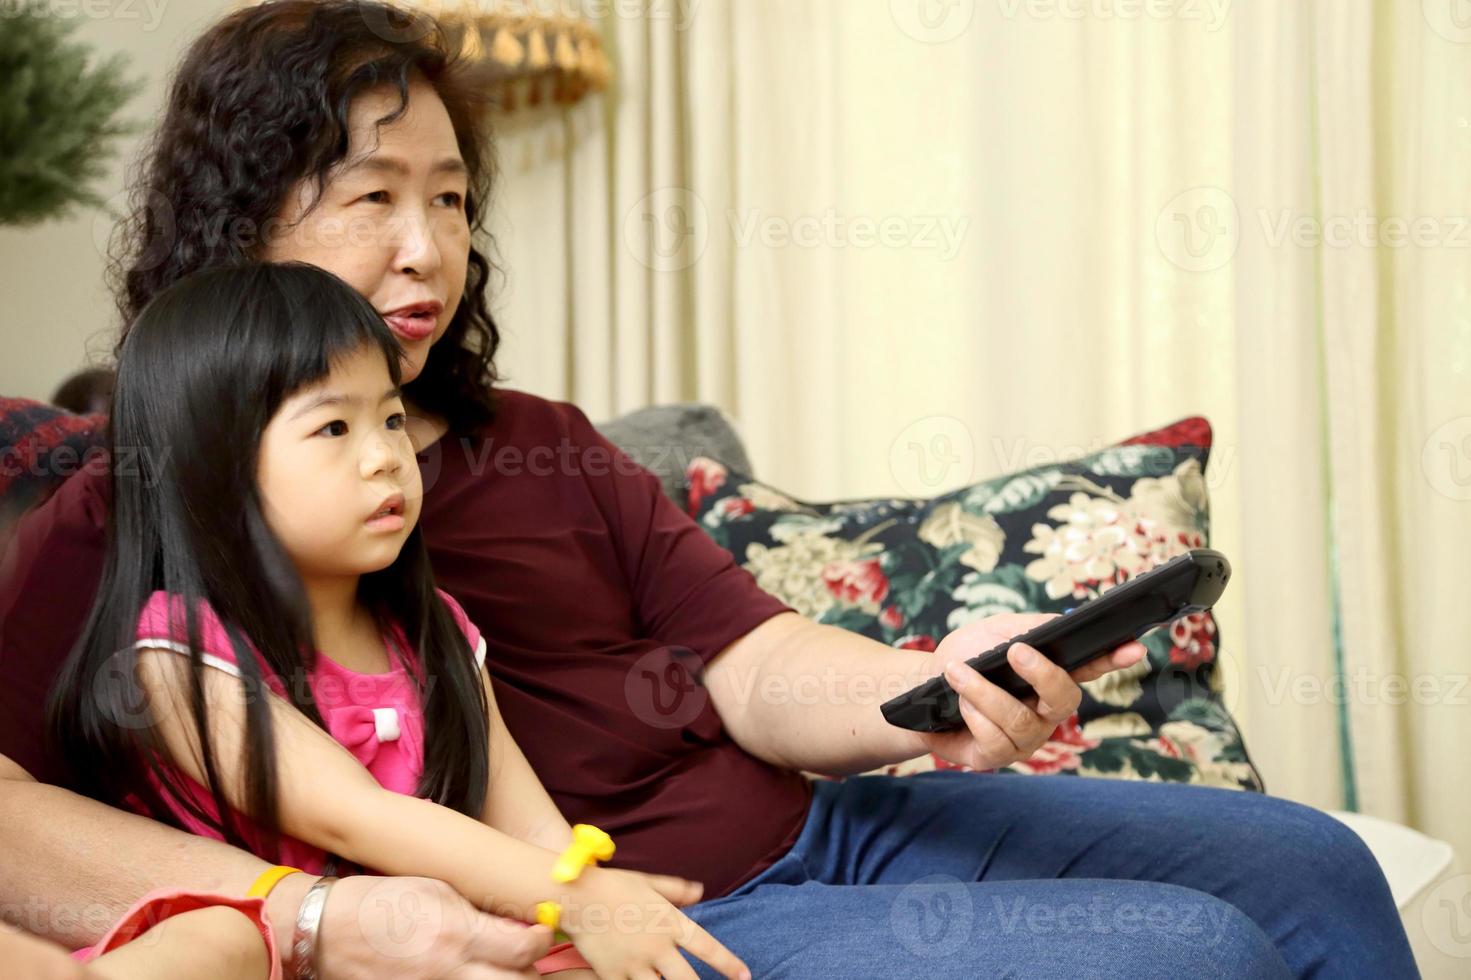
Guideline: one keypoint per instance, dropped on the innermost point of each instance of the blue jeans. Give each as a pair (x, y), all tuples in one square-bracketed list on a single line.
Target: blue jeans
[(951, 874)]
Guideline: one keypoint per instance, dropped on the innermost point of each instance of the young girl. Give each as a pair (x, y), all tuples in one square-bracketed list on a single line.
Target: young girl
[(173, 937), (268, 661)]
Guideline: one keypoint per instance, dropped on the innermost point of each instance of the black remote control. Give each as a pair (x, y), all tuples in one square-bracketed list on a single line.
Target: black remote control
[(1188, 583)]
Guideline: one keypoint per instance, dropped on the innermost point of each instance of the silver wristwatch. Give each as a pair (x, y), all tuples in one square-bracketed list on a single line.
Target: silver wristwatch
[(308, 925)]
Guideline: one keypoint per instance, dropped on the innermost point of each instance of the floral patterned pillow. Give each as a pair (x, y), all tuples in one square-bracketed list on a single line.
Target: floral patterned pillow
[(908, 572)]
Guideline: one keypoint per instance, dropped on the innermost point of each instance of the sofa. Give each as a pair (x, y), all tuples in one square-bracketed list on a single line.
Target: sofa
[(1167, 723), (906, 572)]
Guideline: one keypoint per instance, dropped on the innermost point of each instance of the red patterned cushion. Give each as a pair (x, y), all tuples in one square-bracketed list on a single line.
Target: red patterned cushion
[(40, 446)]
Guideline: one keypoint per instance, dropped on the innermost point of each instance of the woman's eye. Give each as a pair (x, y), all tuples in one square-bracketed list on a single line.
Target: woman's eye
[(397, 421), (376, 197), (335, 428), (454, 199)]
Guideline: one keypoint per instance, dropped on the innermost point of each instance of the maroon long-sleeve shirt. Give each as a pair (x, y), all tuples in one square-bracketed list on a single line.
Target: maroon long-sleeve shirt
[(599, 600)]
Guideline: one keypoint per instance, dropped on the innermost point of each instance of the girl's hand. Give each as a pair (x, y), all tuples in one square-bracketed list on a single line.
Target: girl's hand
[(626, 926), (680, 891)]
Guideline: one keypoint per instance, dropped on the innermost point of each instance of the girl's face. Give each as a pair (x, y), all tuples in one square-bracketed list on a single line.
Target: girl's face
[(338, 480), (391, 221)]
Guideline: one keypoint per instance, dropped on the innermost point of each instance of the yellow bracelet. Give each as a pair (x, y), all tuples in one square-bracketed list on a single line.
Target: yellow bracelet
[(269, 880), (549, 914), (589, 846)]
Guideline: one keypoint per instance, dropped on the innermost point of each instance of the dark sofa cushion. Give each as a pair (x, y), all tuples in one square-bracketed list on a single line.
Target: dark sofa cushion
[(667, 438)]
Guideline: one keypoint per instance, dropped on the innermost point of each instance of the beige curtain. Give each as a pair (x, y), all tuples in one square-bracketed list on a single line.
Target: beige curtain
[(910, 244), (1394, 87)]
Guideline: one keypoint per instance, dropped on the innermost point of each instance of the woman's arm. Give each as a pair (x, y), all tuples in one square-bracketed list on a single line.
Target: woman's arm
[(70, 866), (843, 731), (328, 799), (518, 804)]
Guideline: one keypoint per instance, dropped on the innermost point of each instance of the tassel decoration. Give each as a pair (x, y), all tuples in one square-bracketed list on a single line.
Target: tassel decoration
[(537, 56), (472, 48), (566, 56), (506, 49), (558, 59)]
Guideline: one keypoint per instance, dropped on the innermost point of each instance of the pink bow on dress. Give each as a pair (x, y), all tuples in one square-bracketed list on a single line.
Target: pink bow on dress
[(363, 730)]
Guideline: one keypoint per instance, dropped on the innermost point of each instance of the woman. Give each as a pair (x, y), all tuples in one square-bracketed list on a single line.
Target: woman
[(331, 134)]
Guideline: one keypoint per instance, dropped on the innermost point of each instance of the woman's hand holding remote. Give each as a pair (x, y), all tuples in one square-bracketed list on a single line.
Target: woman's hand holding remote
[(999, 729)]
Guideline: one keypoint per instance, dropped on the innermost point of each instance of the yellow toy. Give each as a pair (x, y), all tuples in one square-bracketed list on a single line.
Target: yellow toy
[(589, 846)]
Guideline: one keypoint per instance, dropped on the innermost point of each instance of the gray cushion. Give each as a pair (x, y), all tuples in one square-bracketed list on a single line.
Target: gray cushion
[(666, 438)]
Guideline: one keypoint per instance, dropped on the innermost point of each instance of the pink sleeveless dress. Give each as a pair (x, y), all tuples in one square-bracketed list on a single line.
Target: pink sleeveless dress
[(376, 717)]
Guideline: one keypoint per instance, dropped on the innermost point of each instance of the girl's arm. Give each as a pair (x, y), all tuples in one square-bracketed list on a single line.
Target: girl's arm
[(517, 803), (215, 942), (329, 800), (77, 865), (72, 852)]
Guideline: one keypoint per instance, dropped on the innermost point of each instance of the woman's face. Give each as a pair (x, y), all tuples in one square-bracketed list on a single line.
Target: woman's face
[(391, 221)]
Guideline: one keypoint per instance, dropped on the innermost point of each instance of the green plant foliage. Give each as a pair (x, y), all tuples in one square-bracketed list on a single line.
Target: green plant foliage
[(58, 126)]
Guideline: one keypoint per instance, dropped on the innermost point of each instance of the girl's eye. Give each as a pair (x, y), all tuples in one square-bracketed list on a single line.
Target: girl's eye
[(335, 428), (397, 421)]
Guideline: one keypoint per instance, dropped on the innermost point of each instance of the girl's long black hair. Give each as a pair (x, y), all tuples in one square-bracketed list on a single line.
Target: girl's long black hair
[(205, 367)]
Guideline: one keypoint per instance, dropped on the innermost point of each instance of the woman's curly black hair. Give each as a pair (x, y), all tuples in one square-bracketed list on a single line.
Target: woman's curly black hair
[(259, 103)]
